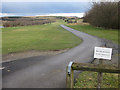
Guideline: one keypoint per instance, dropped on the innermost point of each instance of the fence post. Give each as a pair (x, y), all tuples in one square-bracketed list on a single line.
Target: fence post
[(69, 76), (72, 78), (100, 75)]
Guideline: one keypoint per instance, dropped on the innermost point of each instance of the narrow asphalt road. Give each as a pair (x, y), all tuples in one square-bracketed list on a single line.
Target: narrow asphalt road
[(48, 72)]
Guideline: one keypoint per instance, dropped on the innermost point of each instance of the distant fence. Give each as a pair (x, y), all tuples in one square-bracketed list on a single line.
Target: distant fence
[(100, 68)]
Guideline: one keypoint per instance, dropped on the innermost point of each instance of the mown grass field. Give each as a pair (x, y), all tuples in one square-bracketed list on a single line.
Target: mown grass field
[(37, 37), (109, 34)]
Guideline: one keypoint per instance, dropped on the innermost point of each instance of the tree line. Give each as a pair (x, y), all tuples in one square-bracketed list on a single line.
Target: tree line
[(104, 14)]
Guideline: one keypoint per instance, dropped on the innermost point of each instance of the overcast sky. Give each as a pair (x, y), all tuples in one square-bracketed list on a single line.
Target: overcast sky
[(45, 0), (55, 0)]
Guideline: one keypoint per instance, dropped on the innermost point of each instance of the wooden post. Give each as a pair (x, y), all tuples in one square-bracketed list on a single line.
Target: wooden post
[(72, 78), (69, 78), (104, 68), (100, 75)]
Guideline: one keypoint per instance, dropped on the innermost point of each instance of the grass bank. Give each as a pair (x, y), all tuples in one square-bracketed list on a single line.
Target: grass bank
[(37, 37), (89, 80), (109, 34)]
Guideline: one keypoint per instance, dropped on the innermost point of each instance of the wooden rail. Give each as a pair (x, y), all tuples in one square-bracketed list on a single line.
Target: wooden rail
[(88, 67)]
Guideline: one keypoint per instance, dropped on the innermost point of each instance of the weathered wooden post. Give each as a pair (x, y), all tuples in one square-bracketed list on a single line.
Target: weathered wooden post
[(100, 75), (69, 76), (102, 53), (72, 78)]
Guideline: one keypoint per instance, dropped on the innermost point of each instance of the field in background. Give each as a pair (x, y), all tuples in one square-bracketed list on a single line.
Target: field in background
[(37, 37), (25, 21), (110, 34)]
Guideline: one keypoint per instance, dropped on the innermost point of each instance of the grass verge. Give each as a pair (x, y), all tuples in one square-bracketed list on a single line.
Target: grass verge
[(89, 80), (37, 37), (109, 34)]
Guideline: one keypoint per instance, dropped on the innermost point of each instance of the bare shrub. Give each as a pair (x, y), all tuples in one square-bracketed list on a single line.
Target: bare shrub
[(103, 14), (24, 21)]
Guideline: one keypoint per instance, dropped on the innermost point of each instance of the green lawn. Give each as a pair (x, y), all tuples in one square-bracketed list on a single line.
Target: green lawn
[(37, 37), (99, 32), (89, 80)]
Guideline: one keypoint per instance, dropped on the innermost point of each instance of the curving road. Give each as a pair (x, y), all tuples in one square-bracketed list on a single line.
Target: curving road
[(49, 72)]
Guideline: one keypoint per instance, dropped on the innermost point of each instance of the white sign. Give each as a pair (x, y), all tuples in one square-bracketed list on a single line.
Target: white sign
[(102, 53)]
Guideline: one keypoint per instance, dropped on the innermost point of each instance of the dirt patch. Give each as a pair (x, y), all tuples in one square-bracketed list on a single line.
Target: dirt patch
[(32, 53)]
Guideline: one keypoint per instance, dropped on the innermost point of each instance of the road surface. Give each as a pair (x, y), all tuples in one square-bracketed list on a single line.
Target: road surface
[(48, 72)]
